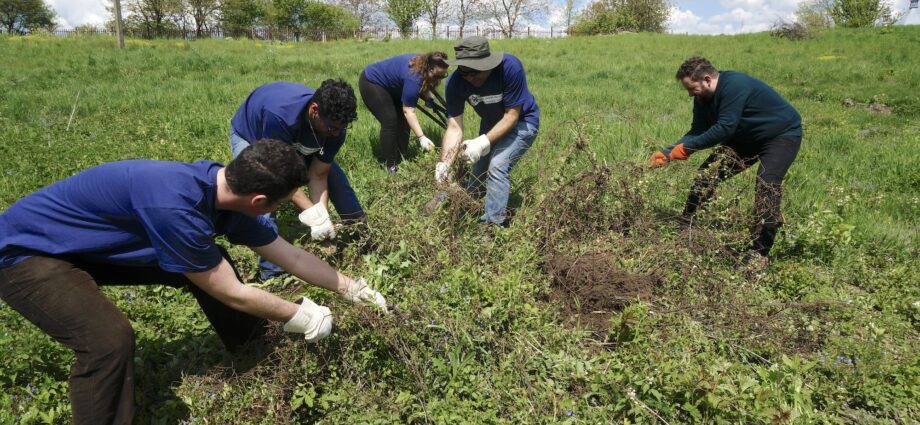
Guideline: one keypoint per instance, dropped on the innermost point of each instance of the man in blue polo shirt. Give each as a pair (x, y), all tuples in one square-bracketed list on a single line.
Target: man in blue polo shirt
[(154, 222), (752, 123), (315, 123), (495, 86)]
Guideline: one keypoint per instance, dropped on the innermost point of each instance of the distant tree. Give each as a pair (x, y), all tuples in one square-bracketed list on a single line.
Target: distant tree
[(153, 18), (307, 16), (435, 11), (404, 13), (325, 17), (285, 15), (861, 13), (87, 29), (568, 12), (241, 17), (815, 14), (467, 11), (508, 14), (610, 16), (23, 16), (365, 11), (202, 13)]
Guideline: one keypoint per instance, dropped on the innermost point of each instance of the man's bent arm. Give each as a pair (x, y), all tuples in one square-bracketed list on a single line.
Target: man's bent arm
[(504, 125), (319, 182), (450, 144), (221, 283), (304, 265)]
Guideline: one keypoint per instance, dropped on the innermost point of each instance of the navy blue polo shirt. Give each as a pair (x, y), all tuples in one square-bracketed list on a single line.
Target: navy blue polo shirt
[(505, 88), (397, 78), (277, 111), (133, 213)]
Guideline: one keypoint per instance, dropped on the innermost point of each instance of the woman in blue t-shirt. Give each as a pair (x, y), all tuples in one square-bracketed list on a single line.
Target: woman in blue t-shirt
[(390, 90)]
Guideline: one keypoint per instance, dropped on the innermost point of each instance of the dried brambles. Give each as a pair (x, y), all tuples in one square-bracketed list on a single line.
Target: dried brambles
[(609, 247)]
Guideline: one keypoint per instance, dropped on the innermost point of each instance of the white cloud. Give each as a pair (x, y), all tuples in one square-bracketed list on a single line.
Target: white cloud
[(742, 16), (72, 13), (738, 16)]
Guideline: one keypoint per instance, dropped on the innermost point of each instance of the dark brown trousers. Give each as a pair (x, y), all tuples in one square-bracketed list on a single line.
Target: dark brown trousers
[(62, 297)]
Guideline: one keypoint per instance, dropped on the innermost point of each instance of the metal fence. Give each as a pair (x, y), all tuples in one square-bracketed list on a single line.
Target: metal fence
[(295, 36)]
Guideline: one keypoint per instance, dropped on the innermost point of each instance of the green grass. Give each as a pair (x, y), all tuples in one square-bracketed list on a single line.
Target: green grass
[(481, 337)]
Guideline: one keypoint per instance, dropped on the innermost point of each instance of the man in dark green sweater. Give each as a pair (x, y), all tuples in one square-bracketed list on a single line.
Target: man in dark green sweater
[(754, 123)]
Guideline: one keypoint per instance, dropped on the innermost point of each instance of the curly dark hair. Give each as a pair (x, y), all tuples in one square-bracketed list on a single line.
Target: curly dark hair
[(695, 68), (336, 101), (268, 167), (424, 63)]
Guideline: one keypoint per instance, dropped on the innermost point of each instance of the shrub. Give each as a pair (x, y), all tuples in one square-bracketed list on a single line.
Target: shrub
[(790, 30)]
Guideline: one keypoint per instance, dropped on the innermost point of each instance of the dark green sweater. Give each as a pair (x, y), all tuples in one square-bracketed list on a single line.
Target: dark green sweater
[(743, 111)]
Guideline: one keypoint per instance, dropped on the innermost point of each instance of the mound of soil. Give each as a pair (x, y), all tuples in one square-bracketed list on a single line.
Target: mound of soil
[(591, 288)]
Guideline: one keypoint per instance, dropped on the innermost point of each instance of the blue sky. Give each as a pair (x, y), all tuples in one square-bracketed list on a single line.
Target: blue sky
[(687, 16)]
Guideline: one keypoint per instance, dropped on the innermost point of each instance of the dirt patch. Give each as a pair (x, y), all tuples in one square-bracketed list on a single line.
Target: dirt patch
[(590, 288), (877, 107)]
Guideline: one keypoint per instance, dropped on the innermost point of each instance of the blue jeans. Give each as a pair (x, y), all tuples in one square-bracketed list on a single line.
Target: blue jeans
[(492, 171), (341, 195)]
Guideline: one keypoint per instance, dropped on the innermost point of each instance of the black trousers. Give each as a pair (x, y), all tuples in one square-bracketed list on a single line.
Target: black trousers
[(62, 297), (775, 156), (394, 129)]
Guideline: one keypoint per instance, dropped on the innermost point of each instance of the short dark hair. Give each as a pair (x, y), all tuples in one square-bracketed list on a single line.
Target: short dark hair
[(336, 101), (695, 68), (267, 167)]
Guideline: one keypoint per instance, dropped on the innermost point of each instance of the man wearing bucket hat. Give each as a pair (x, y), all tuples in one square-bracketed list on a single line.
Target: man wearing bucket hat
[(495, 86)]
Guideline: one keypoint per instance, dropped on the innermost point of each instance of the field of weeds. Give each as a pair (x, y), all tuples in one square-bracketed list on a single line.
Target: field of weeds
[(594, 306)]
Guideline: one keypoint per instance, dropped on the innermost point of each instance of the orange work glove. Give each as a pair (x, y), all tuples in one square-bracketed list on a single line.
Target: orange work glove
[(679, 153), (659, 159)]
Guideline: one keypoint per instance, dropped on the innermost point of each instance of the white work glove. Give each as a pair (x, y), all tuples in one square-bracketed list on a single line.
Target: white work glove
[(475, 149), (318, 219), (425, 143), (442, 173), (361, 293), (311, 320)]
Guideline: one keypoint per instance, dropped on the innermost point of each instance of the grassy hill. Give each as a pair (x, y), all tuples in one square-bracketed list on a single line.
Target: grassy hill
[(594, 306)]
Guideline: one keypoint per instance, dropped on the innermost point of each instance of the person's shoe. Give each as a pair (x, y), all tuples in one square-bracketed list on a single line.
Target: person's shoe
[(392, 169)]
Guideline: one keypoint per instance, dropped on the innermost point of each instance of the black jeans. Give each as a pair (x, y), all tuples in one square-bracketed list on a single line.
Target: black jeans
[(62, 297), (394, 129), (775, 157)]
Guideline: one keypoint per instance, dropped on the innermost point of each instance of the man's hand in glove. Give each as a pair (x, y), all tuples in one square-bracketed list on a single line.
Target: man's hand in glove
[(659, 159), (442, 173), (312, 320), (679, 153), (319, 221), (474, 149), (425, 143), (361, 293)]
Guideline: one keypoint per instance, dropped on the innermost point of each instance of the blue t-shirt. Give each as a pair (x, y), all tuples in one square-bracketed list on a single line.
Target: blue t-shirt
[(505, 88), (397, 78), (278, 111), (133, 213)]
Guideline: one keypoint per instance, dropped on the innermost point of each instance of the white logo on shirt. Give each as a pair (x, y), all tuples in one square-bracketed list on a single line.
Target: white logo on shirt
[(475, 99)]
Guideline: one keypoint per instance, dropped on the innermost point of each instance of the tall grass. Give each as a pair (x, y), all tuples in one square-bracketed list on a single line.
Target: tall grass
[(481, 339)]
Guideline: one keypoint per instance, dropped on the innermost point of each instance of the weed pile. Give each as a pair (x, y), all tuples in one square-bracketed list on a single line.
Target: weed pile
[(610, 246)]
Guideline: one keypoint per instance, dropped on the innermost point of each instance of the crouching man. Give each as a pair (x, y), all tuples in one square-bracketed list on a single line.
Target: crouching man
[(752, 123), (153, 222)]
